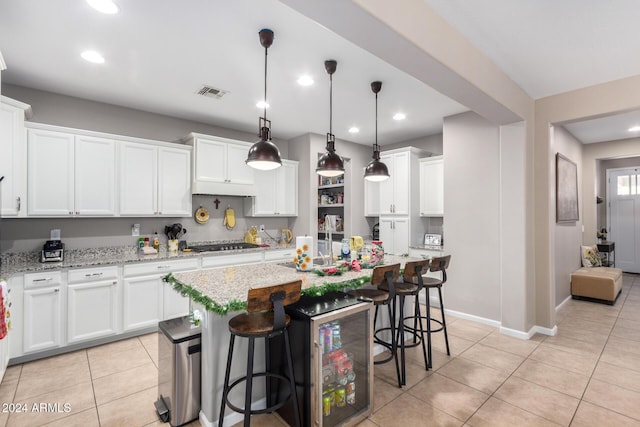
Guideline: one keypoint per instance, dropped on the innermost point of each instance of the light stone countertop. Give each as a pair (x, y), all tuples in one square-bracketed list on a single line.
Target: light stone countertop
[(28, 262), (224, 285)]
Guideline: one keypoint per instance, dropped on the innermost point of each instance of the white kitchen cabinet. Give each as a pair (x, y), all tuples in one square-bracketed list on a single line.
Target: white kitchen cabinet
[(146, 298), (174, 188), (142, 302), (218, 166), (371, 198), (154, 180), (50, 173), (395, 191), (92, 303), (13, 160), (280, 255), (95, 176), (70, 175), (432, 186), (394, 233), (43, 309), (232, 259), (276, 192)]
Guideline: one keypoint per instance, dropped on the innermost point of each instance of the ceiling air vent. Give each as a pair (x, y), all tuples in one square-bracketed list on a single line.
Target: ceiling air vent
[(211, 92)]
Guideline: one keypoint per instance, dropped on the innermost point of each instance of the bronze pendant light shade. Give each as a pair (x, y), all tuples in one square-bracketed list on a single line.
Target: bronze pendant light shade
[(264, 154), (376, 170), (330, 164)]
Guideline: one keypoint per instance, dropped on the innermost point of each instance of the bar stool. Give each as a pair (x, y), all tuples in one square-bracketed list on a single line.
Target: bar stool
[(437, 264), (383, 275), (411, 285), (265, 318)]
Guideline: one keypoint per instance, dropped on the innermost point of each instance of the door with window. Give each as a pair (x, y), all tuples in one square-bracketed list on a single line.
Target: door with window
[(623, 196)]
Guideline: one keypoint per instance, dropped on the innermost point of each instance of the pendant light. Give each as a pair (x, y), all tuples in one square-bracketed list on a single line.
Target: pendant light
[(264, 154), (330, 164), (376, 170)]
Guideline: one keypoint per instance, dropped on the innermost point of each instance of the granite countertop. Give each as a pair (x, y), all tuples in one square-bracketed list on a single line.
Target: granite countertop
[(225, 289), (23, 262), (428, 247)]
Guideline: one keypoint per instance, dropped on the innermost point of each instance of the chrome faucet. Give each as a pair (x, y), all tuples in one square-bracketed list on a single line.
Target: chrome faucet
[(328, 240)]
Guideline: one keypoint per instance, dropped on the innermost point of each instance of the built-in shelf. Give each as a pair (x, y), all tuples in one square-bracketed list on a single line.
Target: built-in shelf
[(333, 232), (332, 205), (322, 187)]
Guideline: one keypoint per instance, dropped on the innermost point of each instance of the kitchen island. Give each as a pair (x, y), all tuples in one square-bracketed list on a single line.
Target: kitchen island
[(221, 291)]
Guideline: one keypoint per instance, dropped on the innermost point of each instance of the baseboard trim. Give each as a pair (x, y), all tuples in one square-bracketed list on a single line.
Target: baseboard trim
[(563, 303), (472, 317)]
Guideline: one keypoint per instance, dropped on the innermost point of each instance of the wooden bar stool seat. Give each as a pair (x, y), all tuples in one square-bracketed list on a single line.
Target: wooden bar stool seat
[(384, 275), (265, 318)]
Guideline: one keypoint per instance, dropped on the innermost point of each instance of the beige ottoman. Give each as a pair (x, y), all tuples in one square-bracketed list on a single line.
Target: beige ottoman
[(599, 284)]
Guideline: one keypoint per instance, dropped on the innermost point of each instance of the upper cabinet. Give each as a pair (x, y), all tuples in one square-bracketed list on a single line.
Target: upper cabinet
[(154, 180), (395, 192), (276, 192), (371, 198), (13, 160), (70, 175), (219, 166), (82, 173), (432, 186)]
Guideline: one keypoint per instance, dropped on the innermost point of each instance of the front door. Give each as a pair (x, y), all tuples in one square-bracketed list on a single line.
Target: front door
[(623, 198)]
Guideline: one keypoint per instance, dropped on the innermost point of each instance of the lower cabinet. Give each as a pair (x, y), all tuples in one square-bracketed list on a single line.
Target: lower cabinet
[(92, 310), (142, 302), (42, 315), (174, 303)]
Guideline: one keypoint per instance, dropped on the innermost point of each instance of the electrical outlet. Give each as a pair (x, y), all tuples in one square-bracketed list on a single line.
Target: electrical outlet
[(135, 230), (261, 228)]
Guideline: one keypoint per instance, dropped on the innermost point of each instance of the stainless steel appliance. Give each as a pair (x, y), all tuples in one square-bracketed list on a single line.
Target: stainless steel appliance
[(215, 247), (178, 371), (331, 340)]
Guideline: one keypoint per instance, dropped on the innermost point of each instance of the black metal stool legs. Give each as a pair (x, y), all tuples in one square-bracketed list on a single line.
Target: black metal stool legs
[(249, 386), (292, 383), (444, 322), (225, 386)]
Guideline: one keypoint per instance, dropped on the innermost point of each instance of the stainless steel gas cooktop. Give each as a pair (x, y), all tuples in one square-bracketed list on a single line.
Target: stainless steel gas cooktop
[(215, 247)]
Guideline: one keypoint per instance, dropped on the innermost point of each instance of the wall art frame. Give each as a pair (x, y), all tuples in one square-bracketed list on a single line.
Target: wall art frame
[(566, 190)]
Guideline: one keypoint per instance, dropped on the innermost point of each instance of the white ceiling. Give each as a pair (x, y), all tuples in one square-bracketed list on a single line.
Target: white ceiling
[(549, 47), (159, 52)]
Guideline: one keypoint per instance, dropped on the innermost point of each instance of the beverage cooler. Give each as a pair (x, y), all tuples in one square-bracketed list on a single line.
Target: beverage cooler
[(331, 341)]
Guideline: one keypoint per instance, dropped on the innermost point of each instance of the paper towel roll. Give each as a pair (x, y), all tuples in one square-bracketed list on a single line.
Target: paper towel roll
[(304, 253)]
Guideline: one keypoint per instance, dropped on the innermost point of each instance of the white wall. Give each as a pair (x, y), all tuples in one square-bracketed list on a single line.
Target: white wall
[(567, 236), (471, 147)]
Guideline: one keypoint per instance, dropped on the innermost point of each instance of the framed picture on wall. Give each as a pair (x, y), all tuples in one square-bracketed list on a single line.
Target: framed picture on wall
[(566, 190)]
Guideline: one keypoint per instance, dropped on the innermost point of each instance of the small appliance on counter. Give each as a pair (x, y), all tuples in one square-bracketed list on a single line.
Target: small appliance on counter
[(375, 232), (52, 251), (432, 239)]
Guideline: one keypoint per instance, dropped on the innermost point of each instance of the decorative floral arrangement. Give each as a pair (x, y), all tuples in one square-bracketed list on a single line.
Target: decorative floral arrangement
[(329, 271), (195, 317), (302, 258)]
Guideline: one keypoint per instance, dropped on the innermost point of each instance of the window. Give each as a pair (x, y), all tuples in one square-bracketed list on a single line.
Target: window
[(628, 185)]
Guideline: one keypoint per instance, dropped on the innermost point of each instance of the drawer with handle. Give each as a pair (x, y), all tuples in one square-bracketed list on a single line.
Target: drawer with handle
[(84, 275), (162, 267), (43, 279)]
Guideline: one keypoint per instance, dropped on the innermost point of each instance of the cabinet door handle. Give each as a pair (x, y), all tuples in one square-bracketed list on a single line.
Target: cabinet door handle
[(46, 279), (162, 267), (56, 290), (19, 204), (93, 275)]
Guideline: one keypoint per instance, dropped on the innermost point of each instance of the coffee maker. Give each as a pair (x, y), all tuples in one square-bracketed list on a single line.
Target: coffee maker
[(53, 249)]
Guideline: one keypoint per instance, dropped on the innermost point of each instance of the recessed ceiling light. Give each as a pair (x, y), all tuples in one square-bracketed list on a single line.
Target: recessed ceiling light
[(104, 6), (305, 80), (399, 116), (261, 104), (634, 129), (92, 56), (354, 129)]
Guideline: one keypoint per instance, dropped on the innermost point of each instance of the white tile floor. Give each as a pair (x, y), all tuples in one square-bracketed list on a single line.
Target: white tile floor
[(587, 375)]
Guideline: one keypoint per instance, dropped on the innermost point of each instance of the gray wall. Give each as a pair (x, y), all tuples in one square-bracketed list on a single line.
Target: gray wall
[(50, 108), (472, 208), (431, 144), (567, 237)]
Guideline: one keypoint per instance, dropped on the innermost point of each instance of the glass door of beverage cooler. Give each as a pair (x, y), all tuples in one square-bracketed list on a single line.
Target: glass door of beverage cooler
[(342, 366)]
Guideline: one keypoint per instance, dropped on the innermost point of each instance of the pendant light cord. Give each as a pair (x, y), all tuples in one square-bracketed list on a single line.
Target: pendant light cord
[(265, 83), (331, 103)]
